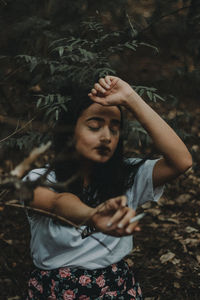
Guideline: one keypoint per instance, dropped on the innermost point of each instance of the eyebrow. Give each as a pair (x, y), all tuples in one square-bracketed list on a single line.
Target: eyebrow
[(114, 121)]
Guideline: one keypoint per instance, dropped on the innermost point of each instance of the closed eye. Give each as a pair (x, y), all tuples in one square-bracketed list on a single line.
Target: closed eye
[(94, 125), (93, 128)]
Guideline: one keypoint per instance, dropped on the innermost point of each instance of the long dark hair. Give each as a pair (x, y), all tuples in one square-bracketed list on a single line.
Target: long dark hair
[(109, 179)]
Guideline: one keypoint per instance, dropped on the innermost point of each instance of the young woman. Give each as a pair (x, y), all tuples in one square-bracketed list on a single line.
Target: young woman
[(104, 197)]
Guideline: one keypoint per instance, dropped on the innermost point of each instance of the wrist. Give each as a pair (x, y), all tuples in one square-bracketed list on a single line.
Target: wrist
[(128, 99), (133, 101), (92, 219), (90, 225)]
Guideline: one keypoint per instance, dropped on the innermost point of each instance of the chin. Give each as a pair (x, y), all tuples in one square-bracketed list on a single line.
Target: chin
[(101, 160)]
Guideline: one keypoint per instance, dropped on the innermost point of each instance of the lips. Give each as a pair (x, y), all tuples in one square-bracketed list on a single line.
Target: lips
[(103, 150)]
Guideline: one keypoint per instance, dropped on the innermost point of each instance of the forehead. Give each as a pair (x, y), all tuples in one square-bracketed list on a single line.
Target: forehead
[(98, 110)]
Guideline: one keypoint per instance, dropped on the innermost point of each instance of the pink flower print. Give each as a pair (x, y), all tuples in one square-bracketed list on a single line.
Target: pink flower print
[(53, 284), (44, 273), (100, 281), (69, 295), (30, 293), (104, 290), (133, 280), (83, 297), (114, 267), (39, 287), (65, 272), (33, 281), (139, 291), (84, 280), (120, 281), (132, 292), (114, 293)]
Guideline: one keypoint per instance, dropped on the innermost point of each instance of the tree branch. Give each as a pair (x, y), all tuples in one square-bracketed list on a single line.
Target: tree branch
[(27, 162), (164, 16)]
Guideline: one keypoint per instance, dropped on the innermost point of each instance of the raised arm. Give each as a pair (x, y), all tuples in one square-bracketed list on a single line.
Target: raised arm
[(176, 157)]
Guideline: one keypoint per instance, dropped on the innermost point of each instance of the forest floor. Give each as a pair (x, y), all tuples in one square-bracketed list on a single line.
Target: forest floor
[(166, 257)]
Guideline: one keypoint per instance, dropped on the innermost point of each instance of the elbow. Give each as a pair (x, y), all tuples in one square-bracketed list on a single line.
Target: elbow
[(186, 164)]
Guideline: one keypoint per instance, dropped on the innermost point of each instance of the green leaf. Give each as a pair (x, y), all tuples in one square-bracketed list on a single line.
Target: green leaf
[(61, 50), (159, 97), (57, 114), (127, 45), (141, 92), (39, 102), (150, 46), (149, 94)]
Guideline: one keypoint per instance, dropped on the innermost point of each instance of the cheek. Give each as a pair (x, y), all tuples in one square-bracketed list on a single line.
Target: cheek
[(115, 142), (84, 142)]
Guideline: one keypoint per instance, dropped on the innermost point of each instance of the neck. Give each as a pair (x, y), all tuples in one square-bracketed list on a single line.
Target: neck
[(86, 170)]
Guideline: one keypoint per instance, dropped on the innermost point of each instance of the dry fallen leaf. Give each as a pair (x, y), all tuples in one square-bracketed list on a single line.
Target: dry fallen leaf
[(198, 258), (175, 261), (177, 285), (167, 257), (154, 211), (184, 198), (190, 229), (191, 242)]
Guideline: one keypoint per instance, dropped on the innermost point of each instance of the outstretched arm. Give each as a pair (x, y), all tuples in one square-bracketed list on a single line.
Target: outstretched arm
[(176, 158), (111, 217)]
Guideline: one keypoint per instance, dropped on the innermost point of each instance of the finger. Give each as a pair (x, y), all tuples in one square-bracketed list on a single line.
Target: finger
[(120, 200), (115, 203), (107, 79), (112, 204), (93, 91), (99, 88), (104, 84), (109, 206), (124, 222), (116, 218), (114, 81), (98, 100), (132, 227)]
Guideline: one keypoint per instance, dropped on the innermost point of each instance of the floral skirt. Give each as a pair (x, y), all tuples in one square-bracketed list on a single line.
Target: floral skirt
[(114, 282)]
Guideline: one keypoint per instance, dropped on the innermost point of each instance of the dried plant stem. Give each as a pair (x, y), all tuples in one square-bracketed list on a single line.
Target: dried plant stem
[(25, 165), (40, 211)]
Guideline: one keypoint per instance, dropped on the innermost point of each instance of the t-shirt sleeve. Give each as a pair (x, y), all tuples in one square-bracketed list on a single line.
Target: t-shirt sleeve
[(142, 189), (32, 176), (36, 173)]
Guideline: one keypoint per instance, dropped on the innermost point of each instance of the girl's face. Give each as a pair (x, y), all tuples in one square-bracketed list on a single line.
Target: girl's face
[(97, 132)]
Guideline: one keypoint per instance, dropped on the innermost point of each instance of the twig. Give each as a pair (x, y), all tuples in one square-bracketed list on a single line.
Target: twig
[(164, 16), (25, 165), (16, 130), (54, 216), (41, 211)]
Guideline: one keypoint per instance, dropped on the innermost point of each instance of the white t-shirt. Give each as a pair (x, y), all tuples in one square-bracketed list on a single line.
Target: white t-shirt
[(54, 245)]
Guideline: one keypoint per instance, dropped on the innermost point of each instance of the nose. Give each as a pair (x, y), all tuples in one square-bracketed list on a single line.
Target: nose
[(105, 136)]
